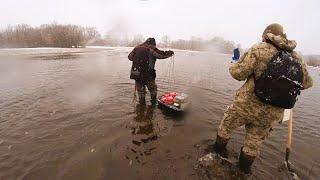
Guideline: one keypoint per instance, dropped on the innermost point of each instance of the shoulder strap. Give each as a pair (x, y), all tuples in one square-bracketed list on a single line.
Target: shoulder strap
[(278, 51)]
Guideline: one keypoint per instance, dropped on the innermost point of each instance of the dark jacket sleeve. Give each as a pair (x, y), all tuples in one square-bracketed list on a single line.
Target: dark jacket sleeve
[(131, 55), (158, 54)]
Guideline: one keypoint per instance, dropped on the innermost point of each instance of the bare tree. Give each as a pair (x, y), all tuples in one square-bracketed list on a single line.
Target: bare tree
[(165, 41), (52, 35), (137, 39), (57, 35)]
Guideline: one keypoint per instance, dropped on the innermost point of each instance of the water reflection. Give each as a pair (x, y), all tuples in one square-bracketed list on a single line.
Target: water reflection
[(88, 119), (144, 135), (62, 56)]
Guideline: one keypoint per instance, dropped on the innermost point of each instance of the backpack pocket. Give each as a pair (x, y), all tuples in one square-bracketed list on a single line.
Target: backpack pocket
[(135, 73)]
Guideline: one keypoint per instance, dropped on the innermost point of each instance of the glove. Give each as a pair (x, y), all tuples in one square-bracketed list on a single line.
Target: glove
[(171, 53)]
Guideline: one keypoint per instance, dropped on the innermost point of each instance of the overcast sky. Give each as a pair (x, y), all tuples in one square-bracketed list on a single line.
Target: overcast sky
[(241, 21)]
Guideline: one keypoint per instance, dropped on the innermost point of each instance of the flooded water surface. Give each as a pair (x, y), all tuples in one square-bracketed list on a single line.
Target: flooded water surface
[(68, 114)]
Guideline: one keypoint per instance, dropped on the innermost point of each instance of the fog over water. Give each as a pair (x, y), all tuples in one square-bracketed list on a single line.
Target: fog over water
[(240, 21), (68, 113)]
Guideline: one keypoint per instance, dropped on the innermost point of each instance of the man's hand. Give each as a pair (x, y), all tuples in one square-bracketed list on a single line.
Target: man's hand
[(171, 53)]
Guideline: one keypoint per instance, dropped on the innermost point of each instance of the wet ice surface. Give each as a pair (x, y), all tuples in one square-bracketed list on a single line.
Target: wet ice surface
[(67, 114)]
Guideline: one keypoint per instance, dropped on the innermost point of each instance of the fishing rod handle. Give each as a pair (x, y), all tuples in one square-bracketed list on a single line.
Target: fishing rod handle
[(289, 140)]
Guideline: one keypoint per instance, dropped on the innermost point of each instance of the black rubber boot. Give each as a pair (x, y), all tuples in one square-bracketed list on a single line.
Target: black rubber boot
[(245, 162), (220, 146)]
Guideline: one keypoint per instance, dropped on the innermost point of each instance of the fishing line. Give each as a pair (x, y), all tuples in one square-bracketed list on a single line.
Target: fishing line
[(171, 74), (168, 77)]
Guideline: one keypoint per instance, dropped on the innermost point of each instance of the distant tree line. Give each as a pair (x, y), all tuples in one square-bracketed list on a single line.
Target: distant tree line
[(312, 60), (47, 35), (67, 36), (216, 44)]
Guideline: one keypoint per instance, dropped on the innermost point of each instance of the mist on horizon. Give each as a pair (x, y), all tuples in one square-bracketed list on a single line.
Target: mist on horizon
[(241, 21)]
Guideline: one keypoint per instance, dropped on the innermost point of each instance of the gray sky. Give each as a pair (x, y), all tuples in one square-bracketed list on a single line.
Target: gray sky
[(241, 21)]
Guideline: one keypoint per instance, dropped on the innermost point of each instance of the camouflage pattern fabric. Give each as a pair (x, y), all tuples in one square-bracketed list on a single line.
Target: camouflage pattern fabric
[(247, 109), (141, 88)]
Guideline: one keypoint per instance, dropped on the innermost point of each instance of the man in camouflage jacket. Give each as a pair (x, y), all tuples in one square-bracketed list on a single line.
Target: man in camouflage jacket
[(246, 109)]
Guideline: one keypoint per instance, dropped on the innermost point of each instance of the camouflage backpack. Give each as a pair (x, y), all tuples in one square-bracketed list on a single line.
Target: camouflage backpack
[(281, 82)]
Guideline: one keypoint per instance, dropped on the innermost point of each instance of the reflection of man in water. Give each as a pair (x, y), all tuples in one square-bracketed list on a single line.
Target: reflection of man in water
[(144, 134)]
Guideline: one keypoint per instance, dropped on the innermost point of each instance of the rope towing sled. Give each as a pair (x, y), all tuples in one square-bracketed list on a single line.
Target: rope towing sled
[(176, 101)]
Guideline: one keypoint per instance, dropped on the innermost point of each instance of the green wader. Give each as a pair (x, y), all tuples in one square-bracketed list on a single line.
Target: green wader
[(141, 88)]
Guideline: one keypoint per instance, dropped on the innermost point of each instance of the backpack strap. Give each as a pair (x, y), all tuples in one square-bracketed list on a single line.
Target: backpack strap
[(278, 51)]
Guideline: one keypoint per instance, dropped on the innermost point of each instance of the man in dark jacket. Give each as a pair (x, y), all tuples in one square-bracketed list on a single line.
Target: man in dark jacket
[(143, 59)]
